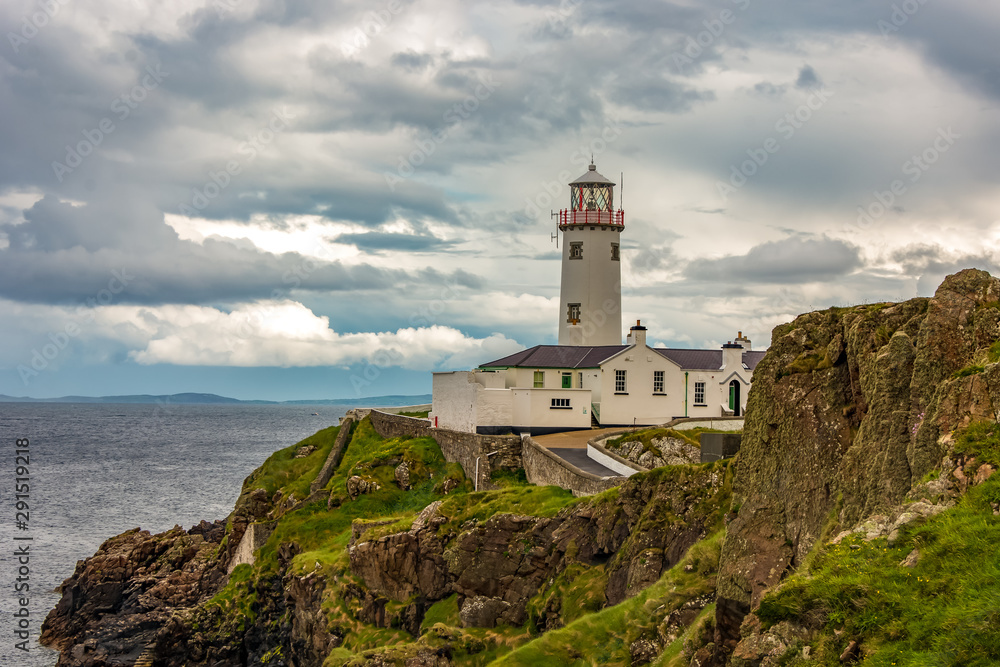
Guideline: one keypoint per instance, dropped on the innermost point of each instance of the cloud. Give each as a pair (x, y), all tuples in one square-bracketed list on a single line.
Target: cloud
[(66, 253), (808, 79), (287, 334), (793, 260)]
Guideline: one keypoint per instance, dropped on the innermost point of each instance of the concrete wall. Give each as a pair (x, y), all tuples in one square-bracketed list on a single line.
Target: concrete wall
[(607, 458), (544, 468), (254, 538)]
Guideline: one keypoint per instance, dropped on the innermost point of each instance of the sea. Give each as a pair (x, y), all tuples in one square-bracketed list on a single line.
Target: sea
[(97, 470)]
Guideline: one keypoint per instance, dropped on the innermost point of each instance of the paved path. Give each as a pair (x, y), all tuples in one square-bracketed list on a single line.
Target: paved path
[(579, 458), (571, 439)]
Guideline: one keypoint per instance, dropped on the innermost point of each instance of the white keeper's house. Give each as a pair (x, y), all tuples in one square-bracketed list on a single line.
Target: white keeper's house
[(590, 378)]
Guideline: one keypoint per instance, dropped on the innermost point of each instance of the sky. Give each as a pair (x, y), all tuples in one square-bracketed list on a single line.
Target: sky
[(298, 199)]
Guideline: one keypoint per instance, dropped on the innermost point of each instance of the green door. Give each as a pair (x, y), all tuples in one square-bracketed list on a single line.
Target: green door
[(567, 381)]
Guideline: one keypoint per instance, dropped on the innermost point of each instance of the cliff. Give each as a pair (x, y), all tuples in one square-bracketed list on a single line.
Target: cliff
[(850, 410)]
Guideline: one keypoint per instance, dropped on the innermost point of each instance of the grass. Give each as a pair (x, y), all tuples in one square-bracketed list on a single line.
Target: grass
[(945, 611), (283, 471), (980, 439), (972, 369), (421, 414), (541, 501), (604, 637)]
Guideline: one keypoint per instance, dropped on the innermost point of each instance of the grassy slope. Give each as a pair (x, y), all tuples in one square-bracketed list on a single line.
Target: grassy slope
[(944, 611)]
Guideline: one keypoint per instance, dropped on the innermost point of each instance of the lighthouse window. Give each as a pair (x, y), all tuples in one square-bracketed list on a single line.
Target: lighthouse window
[(573, 317), (614, 252), (576, 250)]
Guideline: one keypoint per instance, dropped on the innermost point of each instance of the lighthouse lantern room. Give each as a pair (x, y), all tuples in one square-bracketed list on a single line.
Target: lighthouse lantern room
[(590, 292)]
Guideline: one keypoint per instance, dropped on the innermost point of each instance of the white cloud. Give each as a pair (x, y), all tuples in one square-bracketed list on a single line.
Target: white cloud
[(286, 334)]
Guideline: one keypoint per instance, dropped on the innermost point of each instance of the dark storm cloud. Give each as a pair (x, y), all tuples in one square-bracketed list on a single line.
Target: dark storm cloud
[(68, 254), (794, 260), (808, 79)]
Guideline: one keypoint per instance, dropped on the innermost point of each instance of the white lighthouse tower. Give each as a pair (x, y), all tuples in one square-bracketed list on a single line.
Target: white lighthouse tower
[(591, 292)]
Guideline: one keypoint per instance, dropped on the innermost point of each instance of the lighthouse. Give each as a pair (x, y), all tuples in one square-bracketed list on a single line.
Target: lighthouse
[(591, 289)]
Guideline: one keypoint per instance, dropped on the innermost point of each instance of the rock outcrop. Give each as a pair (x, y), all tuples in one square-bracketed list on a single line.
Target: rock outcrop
[(119, 598), (849, 409), (498, 565)]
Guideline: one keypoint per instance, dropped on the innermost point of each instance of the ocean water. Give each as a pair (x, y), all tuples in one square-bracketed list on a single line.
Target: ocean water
[(98, 470)]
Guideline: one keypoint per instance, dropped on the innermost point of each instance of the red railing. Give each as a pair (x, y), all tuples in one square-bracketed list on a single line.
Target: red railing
[(612, 218)]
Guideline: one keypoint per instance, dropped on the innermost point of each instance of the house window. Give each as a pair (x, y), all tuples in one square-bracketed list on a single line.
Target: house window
[(539, 379), (581, 380), (567, 380), (614, 252), (576, 250), (573, 313), (620, 384), (658, 382), (560, 404), (699, 393)]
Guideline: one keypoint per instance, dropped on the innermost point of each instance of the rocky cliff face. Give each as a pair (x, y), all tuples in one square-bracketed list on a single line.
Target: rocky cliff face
[(499, 565), (850, 408), (115, 602)]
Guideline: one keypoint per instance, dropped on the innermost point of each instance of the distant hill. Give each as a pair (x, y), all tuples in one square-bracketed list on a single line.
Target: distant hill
[(214, 399)]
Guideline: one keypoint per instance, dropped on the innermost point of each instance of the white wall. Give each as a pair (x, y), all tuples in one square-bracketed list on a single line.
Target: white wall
[(533, 408), (595, 283), (454, 400), (494, 407), (639, 405)]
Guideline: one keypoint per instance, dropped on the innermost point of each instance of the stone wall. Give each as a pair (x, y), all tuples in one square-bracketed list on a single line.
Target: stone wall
[(457, 446), (335, 455), (542, 467)]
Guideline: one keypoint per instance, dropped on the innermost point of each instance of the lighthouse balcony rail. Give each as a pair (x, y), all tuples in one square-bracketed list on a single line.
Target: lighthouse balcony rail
[(568, 218)]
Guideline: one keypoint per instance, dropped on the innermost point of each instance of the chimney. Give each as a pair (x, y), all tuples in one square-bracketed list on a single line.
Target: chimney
[(637, 334), (742, 341)]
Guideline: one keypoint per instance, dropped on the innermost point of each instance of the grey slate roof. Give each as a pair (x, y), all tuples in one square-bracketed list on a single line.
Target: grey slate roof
[(558, 356), (573, 356), (704, 360)]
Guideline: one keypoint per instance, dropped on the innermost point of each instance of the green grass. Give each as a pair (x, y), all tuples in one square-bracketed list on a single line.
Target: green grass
[(980, 439), (283, 471), (604, 637), (541, 501), (972, 369), (422, 414), (993, 355), (945, 611), (323, 533)]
